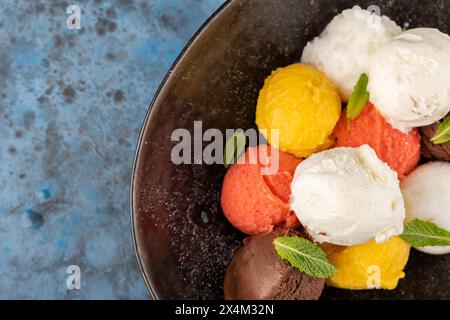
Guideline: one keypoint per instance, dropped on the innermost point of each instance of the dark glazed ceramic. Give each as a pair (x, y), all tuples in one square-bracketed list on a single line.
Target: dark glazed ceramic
[(182, 239)]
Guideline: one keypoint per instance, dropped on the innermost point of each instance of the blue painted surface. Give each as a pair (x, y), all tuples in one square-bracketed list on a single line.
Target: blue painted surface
[(71, 106)]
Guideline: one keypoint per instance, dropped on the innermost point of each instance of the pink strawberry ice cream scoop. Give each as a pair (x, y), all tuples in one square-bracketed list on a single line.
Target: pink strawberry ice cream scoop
[(256, 203)]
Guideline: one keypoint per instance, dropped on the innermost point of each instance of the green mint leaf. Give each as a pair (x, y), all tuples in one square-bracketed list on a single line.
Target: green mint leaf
[(442, 134), (359, 98), (304, 255), (234, 147), (421, 233)]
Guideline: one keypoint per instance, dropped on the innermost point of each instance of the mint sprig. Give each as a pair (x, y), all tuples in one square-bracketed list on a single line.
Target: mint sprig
[(359, 97), (442, 134), (304, 255), (234, 147), (421, 233)]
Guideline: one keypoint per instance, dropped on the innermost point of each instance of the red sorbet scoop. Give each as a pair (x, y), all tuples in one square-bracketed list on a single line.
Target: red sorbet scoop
[(255, 203)]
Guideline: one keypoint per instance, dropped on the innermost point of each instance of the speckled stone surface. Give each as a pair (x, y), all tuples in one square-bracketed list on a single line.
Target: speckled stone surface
[(71, 106)]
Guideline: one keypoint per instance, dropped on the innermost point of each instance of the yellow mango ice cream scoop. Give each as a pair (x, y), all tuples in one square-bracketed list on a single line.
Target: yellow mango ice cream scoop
[(368, 266), (303, 104)]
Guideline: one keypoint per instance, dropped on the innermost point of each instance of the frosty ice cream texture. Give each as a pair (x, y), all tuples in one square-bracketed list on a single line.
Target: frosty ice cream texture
[(409, 78), (347, 196), (343, 50), (427, 197)]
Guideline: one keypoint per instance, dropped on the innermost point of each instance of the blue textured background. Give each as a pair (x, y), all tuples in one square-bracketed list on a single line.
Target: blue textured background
[(71, 106)]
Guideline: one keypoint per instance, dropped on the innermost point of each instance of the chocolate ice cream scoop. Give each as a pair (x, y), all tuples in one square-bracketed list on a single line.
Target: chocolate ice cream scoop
[(440, 152), (256, 272)]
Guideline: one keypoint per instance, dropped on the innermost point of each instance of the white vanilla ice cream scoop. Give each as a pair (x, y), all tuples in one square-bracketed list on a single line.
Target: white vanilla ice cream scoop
[(427, 197), (409, 78), (342, 51), (347, 196)]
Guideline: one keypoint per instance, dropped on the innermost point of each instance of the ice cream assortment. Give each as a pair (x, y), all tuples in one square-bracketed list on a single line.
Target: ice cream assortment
[(349, 198)]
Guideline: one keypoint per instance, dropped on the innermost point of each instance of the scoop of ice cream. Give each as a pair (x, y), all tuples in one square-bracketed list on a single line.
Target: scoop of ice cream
[(427, 197), (256, 203), (347, 196), (401, 151), (256, 272), (303, 105), (440, 152), (368, 266), (342, 51), (408, 78)]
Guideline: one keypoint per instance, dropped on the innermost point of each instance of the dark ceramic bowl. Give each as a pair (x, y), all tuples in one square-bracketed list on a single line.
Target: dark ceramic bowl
[(182, 239)]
